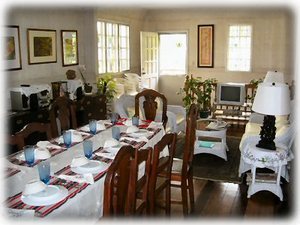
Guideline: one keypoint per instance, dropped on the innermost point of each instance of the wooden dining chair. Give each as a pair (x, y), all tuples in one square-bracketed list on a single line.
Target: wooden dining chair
[(117, 182), (160, 178), (92, 107), (34, 132), (15, 143), (62, 115), (150, 106), (139, 182), (182, 169)]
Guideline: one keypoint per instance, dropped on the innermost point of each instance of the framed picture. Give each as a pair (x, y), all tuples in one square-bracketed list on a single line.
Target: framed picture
[(69, 46), (12, 49), (205, 45), (41, 46)]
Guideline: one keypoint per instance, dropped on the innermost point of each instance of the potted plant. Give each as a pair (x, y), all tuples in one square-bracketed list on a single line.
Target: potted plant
[(255, 83), (189, 91), (106, 86), (197, 91), (204, 96)]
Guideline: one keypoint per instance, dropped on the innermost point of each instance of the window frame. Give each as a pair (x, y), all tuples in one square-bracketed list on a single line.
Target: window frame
[(251, 48), (105, 47)]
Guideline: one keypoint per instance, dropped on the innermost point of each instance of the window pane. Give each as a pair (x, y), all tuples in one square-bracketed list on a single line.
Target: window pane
[(239, 48), (113, 46)]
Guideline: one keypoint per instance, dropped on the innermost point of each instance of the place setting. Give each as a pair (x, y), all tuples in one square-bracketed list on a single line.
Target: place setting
[(84, 168), (71, 137), (40, 194), (94, 126), (30, 156)]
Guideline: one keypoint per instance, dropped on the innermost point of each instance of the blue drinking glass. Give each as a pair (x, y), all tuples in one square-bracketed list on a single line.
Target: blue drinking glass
[(135, 121), (114, 118), (116, 133), (29, 154), (44, 171), (93, 126), (67, 136), (88, 148)]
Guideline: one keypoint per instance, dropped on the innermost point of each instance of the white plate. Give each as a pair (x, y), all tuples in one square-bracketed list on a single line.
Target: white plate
[(51, 195), (91, 167), (140, 133)]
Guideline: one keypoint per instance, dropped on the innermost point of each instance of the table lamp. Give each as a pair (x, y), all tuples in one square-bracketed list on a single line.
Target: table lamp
[(271, 99), (274, 76)]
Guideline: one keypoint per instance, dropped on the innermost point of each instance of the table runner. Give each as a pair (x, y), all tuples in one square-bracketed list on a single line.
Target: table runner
[(53, 151), (83, 134), (107, 126), (73, 188), (11, 171)]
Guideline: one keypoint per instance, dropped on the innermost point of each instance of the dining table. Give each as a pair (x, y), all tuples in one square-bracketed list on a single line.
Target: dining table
[(84, 199)]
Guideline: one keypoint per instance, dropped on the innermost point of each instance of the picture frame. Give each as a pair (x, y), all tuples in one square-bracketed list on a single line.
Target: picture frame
[(12, 48), (69, 46), (206, 46), (41, 46)]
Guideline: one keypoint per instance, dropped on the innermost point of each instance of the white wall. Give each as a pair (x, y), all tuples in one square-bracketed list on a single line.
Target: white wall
[(272, 43), (82, 20), (55, 19)]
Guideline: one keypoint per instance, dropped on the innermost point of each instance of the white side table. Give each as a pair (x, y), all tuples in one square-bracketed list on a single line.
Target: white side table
[(261, 158)]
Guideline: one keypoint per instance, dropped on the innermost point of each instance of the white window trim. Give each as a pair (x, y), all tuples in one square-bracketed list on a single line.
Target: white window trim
[(113, 22), (227, 47)]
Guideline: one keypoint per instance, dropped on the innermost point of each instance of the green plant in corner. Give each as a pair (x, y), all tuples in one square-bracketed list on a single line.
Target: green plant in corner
[(204, 96), (189, 91), (254, 82), (106, 86)]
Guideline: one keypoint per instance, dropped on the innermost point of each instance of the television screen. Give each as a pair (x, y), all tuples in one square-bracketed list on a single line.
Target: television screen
[(231, 94)]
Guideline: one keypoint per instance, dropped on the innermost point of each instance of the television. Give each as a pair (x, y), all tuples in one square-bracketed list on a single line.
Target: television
[(231, 93)]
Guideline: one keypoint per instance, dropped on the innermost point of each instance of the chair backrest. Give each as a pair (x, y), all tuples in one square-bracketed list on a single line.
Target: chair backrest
[(93, 107), (139, 181), (14, 143), (162, 164), (64, 110), (123, 105), (116, 183), (34, 132), (150, 105), (190, 136)]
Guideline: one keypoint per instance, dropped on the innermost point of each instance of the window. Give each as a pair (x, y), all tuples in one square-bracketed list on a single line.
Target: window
[(113, 47), (172, 54), (239, 48)]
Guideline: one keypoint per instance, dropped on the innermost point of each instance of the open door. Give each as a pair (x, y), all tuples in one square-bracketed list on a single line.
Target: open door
[(149, 59)]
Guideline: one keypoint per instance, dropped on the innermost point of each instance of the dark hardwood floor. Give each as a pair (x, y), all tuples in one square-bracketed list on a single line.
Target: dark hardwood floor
[(214, 200)]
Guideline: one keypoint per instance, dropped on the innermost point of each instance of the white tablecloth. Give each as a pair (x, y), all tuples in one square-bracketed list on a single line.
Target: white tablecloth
[(86, 205)]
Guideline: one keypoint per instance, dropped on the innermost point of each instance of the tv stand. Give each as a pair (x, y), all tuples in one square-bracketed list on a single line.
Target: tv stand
[(233, 114)]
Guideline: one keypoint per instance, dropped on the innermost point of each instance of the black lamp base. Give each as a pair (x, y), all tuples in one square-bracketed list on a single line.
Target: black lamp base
[(267, 133)]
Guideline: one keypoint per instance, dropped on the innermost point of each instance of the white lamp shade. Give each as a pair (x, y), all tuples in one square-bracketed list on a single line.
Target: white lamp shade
[(274, 77), (272, 99)]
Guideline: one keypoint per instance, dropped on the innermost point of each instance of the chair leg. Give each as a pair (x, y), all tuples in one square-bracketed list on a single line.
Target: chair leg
[(191, 192), (184, 196), (151, 204), (168, 200)]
